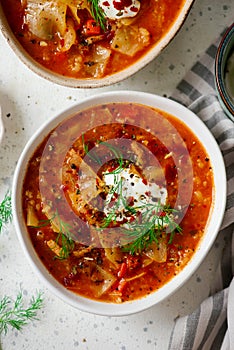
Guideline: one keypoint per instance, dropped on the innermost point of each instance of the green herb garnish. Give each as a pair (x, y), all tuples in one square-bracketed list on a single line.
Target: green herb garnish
[(97, 13), (64, 236), (145, 224), (14, 314), (5, 210), (119, 158), (91, 154), (154, 221)]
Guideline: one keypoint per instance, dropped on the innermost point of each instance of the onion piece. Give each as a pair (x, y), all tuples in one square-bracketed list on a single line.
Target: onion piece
[(69, 37), (45, 18), (32, 219), (114, 255), (106, 278), (157, 252), (130, 39)]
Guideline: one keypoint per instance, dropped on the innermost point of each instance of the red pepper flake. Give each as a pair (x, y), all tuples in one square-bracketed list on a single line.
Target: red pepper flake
[(133, 9), (130, 201), (120, 4), (115, 196)]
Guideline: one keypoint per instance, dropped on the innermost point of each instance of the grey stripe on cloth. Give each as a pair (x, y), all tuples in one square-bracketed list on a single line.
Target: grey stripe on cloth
[(203, 71), (218, 341), (208, 327), (199, 330), (211, 51), (226, 267)]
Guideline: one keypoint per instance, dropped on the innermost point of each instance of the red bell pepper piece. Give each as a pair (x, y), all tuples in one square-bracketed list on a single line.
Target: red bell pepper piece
[(92, 28), (122, 271)]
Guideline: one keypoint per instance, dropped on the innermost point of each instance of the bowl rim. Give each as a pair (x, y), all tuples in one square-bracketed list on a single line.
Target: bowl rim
[(127, 308), (220, 62), (100, 82)]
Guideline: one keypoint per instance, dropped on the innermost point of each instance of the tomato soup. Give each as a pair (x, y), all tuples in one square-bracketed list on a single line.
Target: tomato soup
[(116, 200), (77, 39)]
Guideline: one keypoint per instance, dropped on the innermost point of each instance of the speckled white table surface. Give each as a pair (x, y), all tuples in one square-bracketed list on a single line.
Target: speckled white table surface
[(27, 102)]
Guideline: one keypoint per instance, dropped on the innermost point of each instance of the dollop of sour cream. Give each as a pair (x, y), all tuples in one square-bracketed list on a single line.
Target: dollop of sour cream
[(116, 9), (134, 190)]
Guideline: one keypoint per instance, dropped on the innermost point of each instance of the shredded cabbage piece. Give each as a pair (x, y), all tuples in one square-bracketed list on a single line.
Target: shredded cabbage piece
[(157, 252), (97, 61), (45, 18), (130, 39)]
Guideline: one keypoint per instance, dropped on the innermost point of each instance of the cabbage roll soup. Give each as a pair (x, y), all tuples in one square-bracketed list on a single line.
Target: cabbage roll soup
[(89, 38), (116, 200)]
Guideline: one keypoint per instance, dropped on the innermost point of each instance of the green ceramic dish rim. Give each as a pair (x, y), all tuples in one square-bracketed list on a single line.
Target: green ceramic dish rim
[(225, 47)]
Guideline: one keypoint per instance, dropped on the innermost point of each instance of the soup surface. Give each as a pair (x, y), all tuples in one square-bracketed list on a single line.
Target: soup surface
[(116, 200), (89, 38)]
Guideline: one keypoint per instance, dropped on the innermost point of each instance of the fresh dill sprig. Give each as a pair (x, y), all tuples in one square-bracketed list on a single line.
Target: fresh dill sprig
[(116, 152), (97, 13), (154, 221), (91, 154), (64, 236), (5, 210), (118, 156), (14, 314)]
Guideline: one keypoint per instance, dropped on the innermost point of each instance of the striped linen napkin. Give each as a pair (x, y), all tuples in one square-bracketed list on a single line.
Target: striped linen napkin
[(211, 326)]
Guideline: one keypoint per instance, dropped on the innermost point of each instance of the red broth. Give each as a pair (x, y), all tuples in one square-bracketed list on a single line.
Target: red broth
[(85, 53), (73, 227)]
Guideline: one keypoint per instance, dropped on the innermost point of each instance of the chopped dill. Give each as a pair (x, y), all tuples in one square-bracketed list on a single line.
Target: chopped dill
[(97, 13), (5, 210), (64, 236)]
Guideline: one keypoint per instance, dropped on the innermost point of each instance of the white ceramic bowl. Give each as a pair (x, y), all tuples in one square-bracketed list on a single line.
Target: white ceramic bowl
[(92, 83), (198, 128)]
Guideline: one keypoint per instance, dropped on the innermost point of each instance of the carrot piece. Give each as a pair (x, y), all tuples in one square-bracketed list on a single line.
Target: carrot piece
[(122, 285), (123, 269)]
